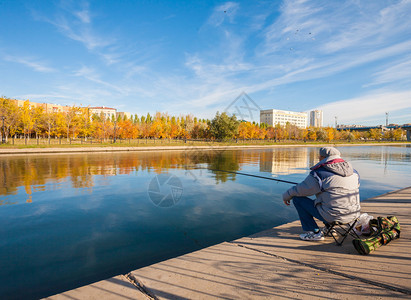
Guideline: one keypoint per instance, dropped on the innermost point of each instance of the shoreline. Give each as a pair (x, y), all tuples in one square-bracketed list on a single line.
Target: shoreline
[(65, 150)]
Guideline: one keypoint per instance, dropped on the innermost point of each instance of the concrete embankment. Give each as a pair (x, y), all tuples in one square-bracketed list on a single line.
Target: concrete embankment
[(188, 146), (276, 264)]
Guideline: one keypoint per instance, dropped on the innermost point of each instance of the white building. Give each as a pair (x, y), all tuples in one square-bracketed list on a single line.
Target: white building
[(273, 117), (316, 118), (107, 112), (123, 114)]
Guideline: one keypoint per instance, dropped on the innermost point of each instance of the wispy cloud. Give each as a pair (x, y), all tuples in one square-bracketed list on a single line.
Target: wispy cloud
[(44, 97), (81, 32), (361, 109), (93, 76), (397, 72), (226, 11), (305, 42), (252, 51), (83, 14), (75, 23), (33, 63)]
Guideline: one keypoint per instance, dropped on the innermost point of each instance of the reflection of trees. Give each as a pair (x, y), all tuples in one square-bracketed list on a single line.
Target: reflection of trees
[(35, 172), (228, 161)]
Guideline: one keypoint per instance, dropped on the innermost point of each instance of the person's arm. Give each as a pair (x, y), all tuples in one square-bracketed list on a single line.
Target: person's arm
[(310, 186)]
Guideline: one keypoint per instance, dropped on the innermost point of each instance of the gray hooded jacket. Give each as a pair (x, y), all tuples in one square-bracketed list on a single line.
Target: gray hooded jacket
[(336, 186)]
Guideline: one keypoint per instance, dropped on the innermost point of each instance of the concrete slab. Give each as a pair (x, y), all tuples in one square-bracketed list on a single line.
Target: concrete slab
[(113, 288), (227, 271), (277, 264), (389, 265)]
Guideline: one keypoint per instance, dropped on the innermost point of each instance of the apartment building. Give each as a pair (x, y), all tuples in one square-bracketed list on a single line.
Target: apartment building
[(123, 114), (316, 118), (273, 117), (48, 107), (107, 112)]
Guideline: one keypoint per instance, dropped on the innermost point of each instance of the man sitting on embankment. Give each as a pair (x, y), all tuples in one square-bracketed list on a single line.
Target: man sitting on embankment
[(335, 185)]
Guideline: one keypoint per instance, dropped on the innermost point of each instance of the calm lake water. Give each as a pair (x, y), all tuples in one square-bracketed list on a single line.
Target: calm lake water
[(69, 220)]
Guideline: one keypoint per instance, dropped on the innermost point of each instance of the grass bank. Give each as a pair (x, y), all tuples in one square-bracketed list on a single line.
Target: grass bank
[(177, 146), (59, 144)]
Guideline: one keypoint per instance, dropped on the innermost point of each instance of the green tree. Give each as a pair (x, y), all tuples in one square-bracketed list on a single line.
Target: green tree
[(223, 127), (321, 134)]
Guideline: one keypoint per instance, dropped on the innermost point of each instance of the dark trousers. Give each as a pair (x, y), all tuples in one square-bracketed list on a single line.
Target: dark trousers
[(307, 212)]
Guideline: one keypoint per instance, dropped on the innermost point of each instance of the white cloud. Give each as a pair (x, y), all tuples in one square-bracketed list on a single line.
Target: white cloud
[(360, 109), (223, 12), (307, 40), (397, 72), (82, 33), (83, 15), (76, 24), (318, 31), (29, 62), (92, 75)]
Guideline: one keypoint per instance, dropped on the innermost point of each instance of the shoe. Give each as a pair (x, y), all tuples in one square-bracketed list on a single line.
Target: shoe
[(311, 236)]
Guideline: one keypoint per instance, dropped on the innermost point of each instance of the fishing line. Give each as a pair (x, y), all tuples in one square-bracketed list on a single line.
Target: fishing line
[(251, 175)]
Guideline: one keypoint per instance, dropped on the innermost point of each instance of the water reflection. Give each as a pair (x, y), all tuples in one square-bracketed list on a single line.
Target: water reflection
[(46, 172), (90, 216), (285, 161), (29, 175)]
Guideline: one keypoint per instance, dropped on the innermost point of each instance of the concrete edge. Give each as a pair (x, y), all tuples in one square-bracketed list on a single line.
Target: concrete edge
[(14, 151), (385, 194)]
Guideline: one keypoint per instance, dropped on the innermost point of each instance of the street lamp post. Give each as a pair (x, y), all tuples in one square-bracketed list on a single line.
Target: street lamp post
[(3, 135)]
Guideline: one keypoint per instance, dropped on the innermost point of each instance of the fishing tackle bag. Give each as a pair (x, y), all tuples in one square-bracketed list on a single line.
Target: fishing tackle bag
[(385, 229)]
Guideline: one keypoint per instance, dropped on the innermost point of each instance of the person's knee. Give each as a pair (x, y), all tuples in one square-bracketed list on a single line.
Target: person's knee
[(297, 201)]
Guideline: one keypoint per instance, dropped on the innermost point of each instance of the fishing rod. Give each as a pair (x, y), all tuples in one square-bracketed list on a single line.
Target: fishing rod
[(251, 175)]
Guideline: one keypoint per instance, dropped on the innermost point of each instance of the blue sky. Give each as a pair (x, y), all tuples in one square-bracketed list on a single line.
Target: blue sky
[(352, 59)]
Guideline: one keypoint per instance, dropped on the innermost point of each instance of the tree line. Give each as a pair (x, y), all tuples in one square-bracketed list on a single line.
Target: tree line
[(34, 122)]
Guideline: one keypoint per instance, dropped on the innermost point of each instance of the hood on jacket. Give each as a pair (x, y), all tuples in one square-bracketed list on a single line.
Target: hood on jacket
[(336, 165), (343, 169)]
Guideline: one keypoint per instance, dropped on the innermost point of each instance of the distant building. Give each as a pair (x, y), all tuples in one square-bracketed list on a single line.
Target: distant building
[(273, 117), (107, 112), (316, 118), (123, 114), (48, 107)]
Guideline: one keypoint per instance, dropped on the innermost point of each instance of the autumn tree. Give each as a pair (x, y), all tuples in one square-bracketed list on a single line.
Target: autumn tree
[(71, 118), (10, 112), (49, 120), (26, 119), (37, 116), (330, 133), (375, 134)]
